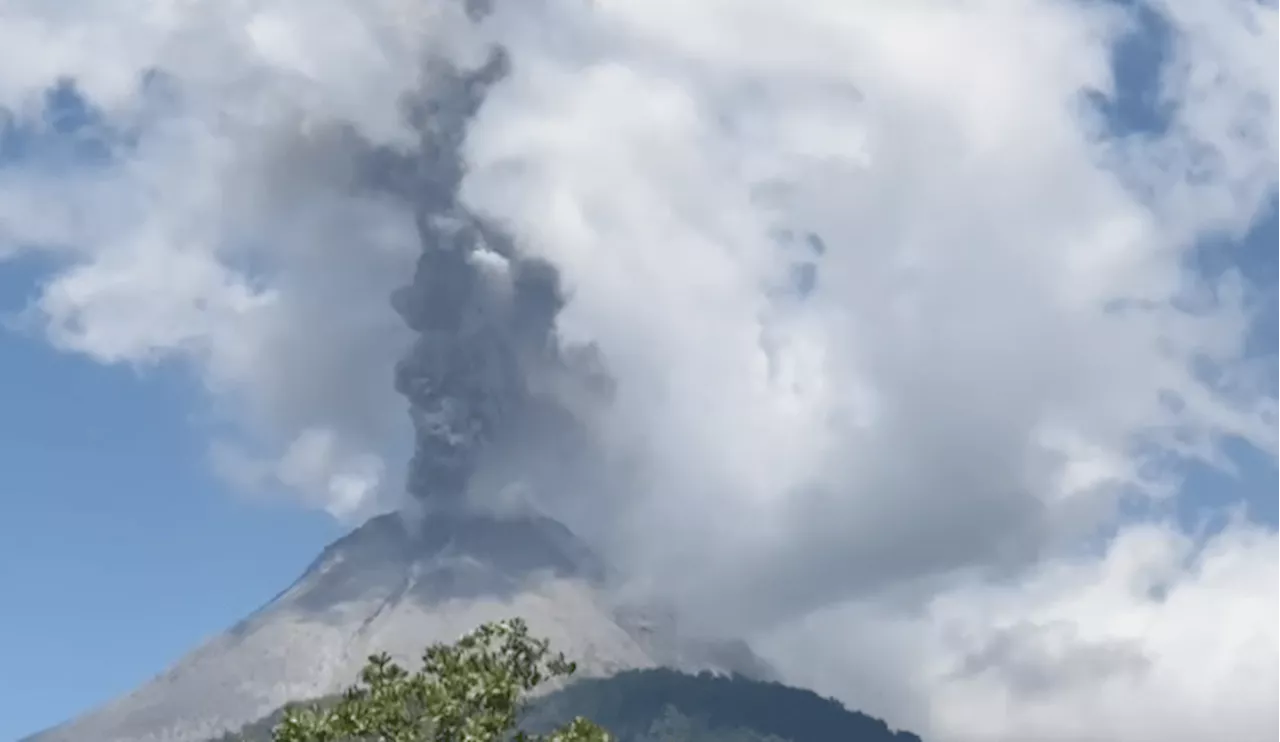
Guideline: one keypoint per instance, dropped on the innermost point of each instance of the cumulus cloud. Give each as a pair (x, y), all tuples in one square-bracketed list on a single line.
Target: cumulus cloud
[(1002, 338), (898, 319), (1159, 639), (223, 228)]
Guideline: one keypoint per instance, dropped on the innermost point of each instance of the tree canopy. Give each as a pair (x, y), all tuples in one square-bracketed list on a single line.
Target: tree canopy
[(470, 691)]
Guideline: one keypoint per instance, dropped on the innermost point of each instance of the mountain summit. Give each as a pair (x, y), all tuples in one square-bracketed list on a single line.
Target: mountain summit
[(395, 585)]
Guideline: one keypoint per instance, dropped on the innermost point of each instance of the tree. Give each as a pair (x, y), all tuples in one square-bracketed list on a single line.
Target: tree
[(470, 691)]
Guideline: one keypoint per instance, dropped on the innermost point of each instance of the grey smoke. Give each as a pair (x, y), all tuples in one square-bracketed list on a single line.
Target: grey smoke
[(487, 372)]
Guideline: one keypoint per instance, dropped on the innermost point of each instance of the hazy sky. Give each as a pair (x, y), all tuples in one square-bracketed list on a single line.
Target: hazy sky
[(944, 333)]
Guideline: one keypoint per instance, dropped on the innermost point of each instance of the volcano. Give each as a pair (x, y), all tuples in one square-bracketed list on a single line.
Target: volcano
[(396, 585), (488, 379)]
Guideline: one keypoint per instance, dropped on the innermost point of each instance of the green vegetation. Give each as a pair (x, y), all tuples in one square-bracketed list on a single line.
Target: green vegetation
[(664, 706), (478, 689), (471, 691)]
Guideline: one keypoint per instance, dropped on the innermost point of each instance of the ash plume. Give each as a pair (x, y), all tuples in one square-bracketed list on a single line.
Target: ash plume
[(487, 365)]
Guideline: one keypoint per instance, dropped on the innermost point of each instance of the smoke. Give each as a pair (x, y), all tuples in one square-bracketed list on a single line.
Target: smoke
[(486, 373), (910, 344), (464, 375)]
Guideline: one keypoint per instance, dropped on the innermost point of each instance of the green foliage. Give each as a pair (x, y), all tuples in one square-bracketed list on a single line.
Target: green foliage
[(661, 705), (470, 691), (673, 726)]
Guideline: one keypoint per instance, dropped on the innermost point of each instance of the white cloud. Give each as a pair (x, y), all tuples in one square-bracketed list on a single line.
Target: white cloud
[(998, 346), (1158, 640), (962, 360), (315, 464), (230, 226)]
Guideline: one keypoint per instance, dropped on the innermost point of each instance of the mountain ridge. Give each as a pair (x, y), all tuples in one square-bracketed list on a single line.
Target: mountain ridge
[(397, 584)]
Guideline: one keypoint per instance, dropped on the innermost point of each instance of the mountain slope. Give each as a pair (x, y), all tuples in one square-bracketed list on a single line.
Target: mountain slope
[(389, 586), (662, 704), (666, 706)]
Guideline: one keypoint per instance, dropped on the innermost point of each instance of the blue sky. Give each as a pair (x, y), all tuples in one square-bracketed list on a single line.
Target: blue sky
[(119, 551), (120, 545)]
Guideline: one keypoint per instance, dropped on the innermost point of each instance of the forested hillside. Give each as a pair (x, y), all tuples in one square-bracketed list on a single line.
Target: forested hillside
[(667, 706)]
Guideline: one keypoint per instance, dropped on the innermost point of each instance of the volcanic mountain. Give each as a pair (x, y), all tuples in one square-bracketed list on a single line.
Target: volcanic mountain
[(488, 378), (396, 585)]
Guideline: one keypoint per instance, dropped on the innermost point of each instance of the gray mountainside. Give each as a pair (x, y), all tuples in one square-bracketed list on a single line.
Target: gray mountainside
[(396, 587)]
